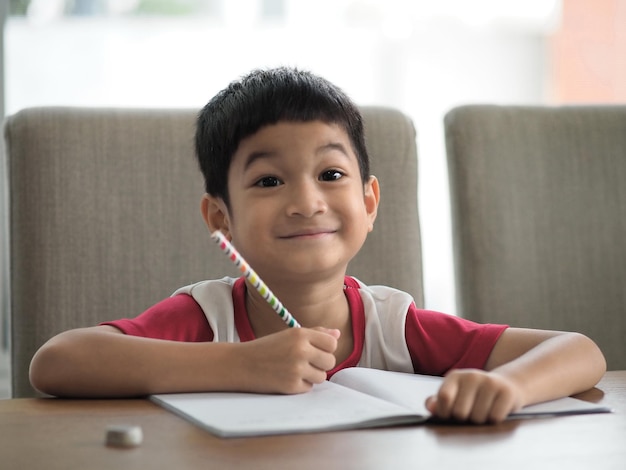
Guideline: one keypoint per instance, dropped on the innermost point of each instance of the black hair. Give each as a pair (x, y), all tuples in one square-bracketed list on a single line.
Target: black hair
[(262, 98)]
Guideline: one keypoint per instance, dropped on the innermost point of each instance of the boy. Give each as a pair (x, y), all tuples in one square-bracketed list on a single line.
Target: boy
[(287, 181)]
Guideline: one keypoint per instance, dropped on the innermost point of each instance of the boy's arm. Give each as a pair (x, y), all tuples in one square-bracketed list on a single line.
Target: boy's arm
[(525, 367), (102, 361)]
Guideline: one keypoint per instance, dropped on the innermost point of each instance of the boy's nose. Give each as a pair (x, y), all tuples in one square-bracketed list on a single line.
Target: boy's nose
[(306, 200)]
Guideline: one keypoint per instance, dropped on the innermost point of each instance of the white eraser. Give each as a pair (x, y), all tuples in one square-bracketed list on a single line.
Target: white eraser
[(123, 435)]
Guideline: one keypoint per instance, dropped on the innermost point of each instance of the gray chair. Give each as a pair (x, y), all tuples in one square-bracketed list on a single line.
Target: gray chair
[(538, 199), (105, 219)]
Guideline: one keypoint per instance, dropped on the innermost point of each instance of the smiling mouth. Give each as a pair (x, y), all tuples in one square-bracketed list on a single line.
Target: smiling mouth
[(309, 234)]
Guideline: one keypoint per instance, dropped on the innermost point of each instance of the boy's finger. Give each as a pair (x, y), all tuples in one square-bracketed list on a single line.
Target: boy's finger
[(326, 342), (335, 333), (323, 361), (483, 405), (501, 408), (431, 404), (445, 398)]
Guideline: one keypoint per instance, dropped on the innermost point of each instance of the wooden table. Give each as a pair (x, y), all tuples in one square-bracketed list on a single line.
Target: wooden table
[(69, 434)]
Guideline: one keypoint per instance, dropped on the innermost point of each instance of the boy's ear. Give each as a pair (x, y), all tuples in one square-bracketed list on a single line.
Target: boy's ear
[(215, 214), (371, 195)]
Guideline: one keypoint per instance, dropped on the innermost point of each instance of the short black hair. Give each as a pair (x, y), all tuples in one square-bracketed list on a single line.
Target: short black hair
[(266, 97)]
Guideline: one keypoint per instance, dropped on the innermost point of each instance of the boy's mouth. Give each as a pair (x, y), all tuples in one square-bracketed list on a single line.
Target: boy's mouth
[(309, 233)]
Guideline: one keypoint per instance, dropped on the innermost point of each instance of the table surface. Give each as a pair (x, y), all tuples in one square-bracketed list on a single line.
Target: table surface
[(55, 433)]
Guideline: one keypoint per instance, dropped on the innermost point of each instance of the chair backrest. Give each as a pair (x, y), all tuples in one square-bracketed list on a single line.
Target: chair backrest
[(539, 218), (105, 219)]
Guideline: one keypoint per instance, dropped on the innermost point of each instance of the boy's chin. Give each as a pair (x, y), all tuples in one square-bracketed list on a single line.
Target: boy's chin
[(312, 274)]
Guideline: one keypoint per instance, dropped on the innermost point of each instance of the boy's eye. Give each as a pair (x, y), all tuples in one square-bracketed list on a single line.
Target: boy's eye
[(268, 182), (331, 175)]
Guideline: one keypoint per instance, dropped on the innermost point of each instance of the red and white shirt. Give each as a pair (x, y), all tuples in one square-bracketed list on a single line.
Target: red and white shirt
[(389, 331)]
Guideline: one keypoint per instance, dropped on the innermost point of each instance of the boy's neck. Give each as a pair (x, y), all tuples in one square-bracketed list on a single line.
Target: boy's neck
[(313, 304)]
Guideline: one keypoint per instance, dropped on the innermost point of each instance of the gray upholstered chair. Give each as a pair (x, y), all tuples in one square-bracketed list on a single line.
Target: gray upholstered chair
[(539, 218), (105, 219)]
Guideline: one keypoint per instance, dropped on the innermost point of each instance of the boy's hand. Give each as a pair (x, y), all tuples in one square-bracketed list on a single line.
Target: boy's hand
[(476, 396), (290, 361)]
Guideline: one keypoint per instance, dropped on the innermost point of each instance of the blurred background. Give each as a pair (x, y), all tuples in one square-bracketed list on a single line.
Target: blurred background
[(422, 57)]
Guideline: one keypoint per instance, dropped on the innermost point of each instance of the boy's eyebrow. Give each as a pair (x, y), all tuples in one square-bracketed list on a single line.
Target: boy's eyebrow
[(333, 146), (252, 157), (256, 155)]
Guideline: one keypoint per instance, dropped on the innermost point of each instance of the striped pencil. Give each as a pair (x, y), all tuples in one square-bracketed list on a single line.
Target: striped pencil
[(254, 278)]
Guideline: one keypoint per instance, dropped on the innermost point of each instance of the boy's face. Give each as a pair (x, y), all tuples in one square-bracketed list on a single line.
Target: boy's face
[(298, 206)]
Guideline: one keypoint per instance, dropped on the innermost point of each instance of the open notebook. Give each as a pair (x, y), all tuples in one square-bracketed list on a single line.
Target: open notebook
[(354, 398)]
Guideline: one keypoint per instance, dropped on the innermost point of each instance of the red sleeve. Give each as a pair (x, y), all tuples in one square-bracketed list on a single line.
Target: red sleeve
[(177, 318), (439, 342)]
